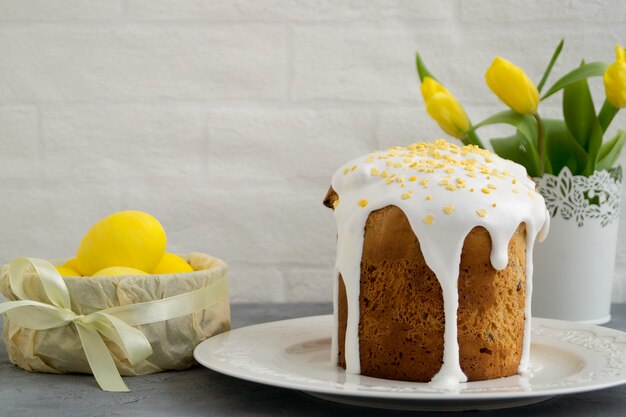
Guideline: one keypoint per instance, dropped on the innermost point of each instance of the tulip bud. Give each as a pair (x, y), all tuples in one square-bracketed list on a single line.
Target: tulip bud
[(444, 108), (615, 79), (511, 84)]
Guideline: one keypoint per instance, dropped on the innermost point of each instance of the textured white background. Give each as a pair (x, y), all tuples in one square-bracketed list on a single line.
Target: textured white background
[(226, 119)]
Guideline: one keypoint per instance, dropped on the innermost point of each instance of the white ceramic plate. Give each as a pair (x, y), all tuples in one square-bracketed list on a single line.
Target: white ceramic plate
[(566, 358)]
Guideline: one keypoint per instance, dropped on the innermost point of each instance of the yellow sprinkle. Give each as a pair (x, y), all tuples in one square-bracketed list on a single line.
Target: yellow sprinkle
[(399, 179), (493, 205), (428, 197), (353, 168), (451, 187), (514, 181), (385, 174), (406, 196), (487, 159), (345, 171), (336, 203), (486, 191), (374, 172), (389, 180), (471, 190), (443, 182), (389, 163), (449, 170), (449, 209), (363, 203), (491, 186), (516, 191), (429, 219), (481, 212), (413, 178), (424, 182)]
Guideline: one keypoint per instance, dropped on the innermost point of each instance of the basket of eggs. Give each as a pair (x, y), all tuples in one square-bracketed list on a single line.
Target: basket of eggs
[(121, 293)]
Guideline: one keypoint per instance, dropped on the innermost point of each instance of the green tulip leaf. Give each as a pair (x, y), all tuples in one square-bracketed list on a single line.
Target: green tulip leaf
[(606, 115), (592, 69), (581, 120), (610, 151), (512, 148), (509, 117), (518, 149), (422, 71), (529, 128), (548, 70), (562, 150), (578, 111), (471, 138)]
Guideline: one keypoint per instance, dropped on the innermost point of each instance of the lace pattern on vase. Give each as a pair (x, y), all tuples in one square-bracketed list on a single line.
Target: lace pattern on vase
[(579, 198)]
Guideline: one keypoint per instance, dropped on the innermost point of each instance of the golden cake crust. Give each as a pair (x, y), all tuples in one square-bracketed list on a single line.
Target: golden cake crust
[(401, 321)]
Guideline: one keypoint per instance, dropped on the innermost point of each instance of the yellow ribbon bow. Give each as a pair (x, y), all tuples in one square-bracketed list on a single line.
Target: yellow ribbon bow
[(115, 323)]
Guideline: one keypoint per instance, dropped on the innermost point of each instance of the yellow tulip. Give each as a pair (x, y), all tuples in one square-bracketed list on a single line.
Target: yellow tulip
[(615, 79), (511, 84), (444, 108)]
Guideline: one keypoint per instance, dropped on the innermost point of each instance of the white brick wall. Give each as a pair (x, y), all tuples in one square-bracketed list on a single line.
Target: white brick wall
[(226, 118)]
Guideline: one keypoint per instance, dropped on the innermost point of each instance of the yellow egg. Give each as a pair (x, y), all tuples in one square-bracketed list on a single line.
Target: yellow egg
[(71, 264), (114, 271), (128, 238), (172, 264), (66, 272)]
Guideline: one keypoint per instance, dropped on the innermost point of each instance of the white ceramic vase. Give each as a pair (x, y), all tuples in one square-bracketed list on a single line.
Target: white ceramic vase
[(575, 265)]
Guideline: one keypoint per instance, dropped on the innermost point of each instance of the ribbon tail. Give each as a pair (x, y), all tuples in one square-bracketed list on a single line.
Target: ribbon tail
[(132, 341), (100, 360)]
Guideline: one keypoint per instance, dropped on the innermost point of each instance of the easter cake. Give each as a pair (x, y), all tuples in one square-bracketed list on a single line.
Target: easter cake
[(434, 264)]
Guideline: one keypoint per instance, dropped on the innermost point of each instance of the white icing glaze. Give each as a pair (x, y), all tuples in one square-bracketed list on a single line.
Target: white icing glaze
[(458, 188)]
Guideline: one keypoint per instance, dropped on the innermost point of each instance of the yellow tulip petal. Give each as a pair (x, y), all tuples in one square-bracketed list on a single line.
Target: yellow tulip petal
[(615, 80), (448, 114), (129, 238), (113, 271), (66, 272), (511, 84), (172, 264), (442, 106), (430, 87), (620, 53)]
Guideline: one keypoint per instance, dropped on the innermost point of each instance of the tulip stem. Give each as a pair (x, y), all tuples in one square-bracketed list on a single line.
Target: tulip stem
[(540, 140), (606, 115), (473, 139)]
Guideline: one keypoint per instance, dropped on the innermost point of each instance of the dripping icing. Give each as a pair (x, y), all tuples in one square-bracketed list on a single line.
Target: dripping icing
[(424, 180)]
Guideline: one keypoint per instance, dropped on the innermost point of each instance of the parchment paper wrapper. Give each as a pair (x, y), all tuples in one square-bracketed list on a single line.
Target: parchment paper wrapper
[(173, 341)]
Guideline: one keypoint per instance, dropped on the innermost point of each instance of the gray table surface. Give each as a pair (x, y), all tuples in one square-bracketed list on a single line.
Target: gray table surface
[(202, 392)]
